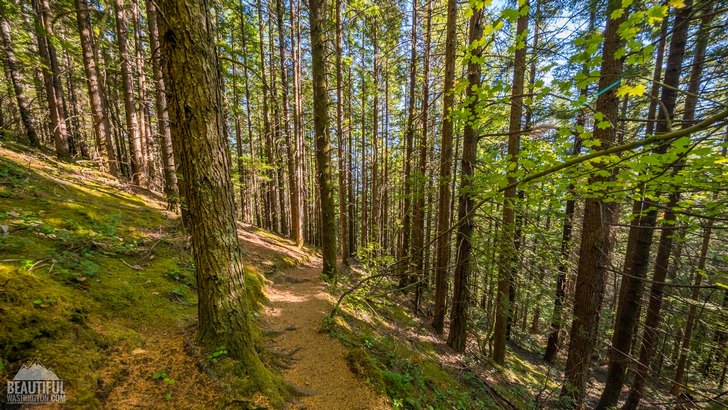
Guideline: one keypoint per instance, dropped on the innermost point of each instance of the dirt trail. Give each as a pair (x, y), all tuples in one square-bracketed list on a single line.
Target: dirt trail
[(298, 303)]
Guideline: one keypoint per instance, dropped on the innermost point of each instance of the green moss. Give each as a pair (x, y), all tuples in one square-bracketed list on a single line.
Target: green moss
[(88, 270), (362, 365)]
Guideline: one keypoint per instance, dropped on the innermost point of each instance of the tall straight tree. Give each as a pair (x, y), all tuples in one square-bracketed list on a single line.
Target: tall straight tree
[(270, 199), (51, 78), (323, 144), (557, 317), (406, 274), (297, 106), (508, 246), (293, 187), (443, 205), (466, 220), (639, 241), (138, 169), (14, 71), (191, 75), (598, 217), (418, 209), (343, 198), (668, 228), (96, 91), (691, 101), (165, 137)]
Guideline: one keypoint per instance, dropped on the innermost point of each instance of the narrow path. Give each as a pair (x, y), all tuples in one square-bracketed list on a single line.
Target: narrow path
[(298, 304)]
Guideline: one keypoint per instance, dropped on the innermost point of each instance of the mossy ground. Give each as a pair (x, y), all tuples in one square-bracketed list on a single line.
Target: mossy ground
[(398, 354), (97, 282)]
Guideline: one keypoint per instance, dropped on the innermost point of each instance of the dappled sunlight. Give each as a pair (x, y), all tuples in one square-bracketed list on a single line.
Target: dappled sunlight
[(276, 295)]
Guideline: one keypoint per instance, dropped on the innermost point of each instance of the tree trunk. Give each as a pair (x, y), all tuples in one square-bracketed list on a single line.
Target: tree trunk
[(270, 200), (96, 91), (374, 228), (51, 79), (417, 250), (682, 361), (165, 138), (443, 217), (193, 85), (343, 198), (640, 237), (598, 218), (138, 170), (508, 246), (323, 144), (406, 273), (297, 111), (466, 220), (14, 73)]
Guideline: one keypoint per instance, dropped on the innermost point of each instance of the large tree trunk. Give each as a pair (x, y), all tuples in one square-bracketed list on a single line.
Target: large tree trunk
[(508, 246), (14, 72), (323, 144), (351, 209), (144, 113), (165, 137), (195, 108), (598, 218), (443, 205), (138, 169), (51, 79), (466, 220)]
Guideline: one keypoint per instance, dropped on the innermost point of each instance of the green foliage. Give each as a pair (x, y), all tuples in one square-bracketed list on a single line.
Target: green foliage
[(217, 354)]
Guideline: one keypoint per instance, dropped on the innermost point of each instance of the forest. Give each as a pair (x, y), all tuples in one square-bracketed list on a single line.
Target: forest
[(325, 204)]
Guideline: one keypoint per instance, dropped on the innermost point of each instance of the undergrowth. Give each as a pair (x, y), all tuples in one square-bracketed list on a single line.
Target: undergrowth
[(91, 274), (395, 361)]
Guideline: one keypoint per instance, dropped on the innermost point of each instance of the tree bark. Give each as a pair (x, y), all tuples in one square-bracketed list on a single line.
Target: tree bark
[(165, 137), (14, 73), (598, 218), (443, 219), (323, 144), (96, 91), (51, 79), (406, 273), (640, 237), (343, 197), (270, 200), (509, 242), (190, 67), (417, 250), (138, 169), (461, 292)]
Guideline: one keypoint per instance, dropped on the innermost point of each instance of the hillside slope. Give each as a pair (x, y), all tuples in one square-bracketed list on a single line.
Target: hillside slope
[(97, 282)]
